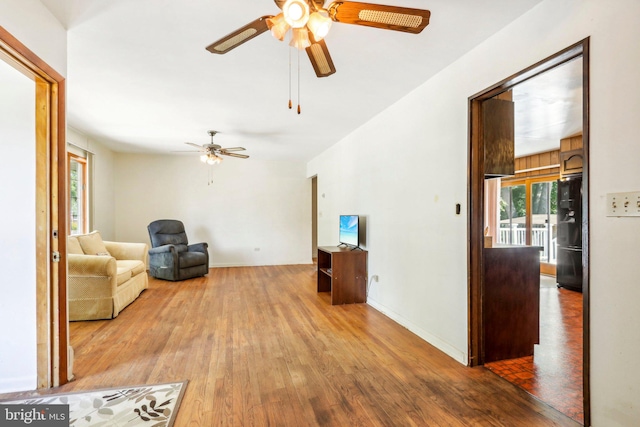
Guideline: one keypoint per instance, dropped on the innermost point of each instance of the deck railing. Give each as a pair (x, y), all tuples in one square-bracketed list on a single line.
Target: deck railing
[(539, 237)]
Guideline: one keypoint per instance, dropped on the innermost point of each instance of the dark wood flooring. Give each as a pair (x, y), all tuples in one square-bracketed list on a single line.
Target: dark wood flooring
[(554, 372), (260, 347)]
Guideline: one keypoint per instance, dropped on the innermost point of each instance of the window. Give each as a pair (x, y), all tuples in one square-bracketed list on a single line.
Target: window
[(78, 221), (513, 214), (528, 214)]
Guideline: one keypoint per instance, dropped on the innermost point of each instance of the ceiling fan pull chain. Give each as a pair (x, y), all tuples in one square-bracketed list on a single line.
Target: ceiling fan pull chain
[(290, 104), (298, 81)]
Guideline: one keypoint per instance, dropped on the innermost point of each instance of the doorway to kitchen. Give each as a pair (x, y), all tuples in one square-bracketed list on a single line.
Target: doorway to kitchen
[(539, 167)]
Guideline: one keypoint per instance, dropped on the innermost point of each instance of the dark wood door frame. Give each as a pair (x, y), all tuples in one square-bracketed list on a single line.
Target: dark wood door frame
[(476, 203)]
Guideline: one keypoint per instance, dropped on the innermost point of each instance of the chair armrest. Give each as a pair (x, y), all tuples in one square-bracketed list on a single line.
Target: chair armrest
[(198, 247), (126, 250), (162, 249), (91, 265), (162, 258)]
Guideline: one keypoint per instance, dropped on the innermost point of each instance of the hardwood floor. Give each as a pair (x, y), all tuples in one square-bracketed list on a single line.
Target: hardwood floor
[(554, 372), (260, 347)]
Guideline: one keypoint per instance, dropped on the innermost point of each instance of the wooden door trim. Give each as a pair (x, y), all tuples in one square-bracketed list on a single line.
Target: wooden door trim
[(475, 226), (51, 277)]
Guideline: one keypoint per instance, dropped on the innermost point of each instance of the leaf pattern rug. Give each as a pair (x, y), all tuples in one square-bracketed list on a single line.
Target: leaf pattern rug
[(145, 405)]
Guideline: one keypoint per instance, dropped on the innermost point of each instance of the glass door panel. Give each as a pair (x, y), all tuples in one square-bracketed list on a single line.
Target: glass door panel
[(513, 215), (544, 211)]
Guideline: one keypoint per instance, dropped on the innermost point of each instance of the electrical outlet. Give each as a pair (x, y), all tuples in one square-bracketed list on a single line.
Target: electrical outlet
[(623, 204)]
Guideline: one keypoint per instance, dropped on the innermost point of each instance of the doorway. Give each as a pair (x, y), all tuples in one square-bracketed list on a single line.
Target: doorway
[(476, 225), (50, 210)]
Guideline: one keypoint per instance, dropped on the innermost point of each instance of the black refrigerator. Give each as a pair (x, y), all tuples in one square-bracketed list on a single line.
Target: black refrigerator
[(569, 233)]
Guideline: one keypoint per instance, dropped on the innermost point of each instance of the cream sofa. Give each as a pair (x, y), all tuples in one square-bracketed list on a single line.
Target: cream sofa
[(104, 277)]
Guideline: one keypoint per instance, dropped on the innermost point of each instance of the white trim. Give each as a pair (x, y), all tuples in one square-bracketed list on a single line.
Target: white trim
[(431, 339), (227, 265), (17, 384), (81, 148), (539, 168)]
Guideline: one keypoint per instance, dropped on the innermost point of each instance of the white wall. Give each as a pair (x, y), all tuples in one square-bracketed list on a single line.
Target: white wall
[(101, 183), (253, 213), (18, 265), (407, 168), (35, 27), (405, 172)]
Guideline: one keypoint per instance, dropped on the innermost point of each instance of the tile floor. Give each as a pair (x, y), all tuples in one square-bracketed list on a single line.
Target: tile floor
[(554, 372)]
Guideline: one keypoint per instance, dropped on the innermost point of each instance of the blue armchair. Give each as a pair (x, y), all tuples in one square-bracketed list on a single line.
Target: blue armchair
[(171, 257)]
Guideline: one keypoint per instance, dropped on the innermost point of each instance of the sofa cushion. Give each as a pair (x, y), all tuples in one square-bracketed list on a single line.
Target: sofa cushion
[(135, 266), (123, 274), (92, 244), (73, 246)]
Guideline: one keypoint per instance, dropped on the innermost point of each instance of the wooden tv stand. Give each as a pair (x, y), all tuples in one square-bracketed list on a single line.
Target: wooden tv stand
[(343, 272)]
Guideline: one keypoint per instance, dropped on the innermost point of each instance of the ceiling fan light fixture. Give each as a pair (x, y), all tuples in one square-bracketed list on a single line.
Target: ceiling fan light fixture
[(278, 26), (319, 24), (296, 13), (300, 38), (212, 159)]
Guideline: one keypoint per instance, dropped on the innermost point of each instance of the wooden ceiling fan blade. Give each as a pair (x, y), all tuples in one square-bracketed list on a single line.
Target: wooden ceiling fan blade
[(240, 36), (396, 18), (240, 156), (320, 59), (199, 147), (234, 149)]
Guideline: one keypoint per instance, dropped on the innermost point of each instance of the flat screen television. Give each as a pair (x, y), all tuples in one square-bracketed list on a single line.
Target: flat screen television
[(350, 230)]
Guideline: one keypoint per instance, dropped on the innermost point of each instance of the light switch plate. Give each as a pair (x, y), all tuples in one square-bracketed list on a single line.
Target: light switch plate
[(623, 204)]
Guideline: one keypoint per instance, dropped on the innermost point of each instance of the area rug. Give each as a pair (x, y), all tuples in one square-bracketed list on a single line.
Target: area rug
[(145, 405)]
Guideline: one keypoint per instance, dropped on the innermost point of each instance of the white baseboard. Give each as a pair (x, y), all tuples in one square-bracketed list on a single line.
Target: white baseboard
[(443, 346), (216, 265), (14, 385)]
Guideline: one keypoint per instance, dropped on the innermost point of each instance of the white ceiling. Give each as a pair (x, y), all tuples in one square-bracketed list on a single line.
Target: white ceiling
[(548, 108), (140, 79)]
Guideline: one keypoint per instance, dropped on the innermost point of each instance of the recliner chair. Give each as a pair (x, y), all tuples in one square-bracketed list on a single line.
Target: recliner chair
[(171, 257)]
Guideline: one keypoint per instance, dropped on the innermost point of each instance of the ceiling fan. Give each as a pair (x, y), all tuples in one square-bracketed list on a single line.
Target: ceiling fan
[(211, 152), (310, 22)]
